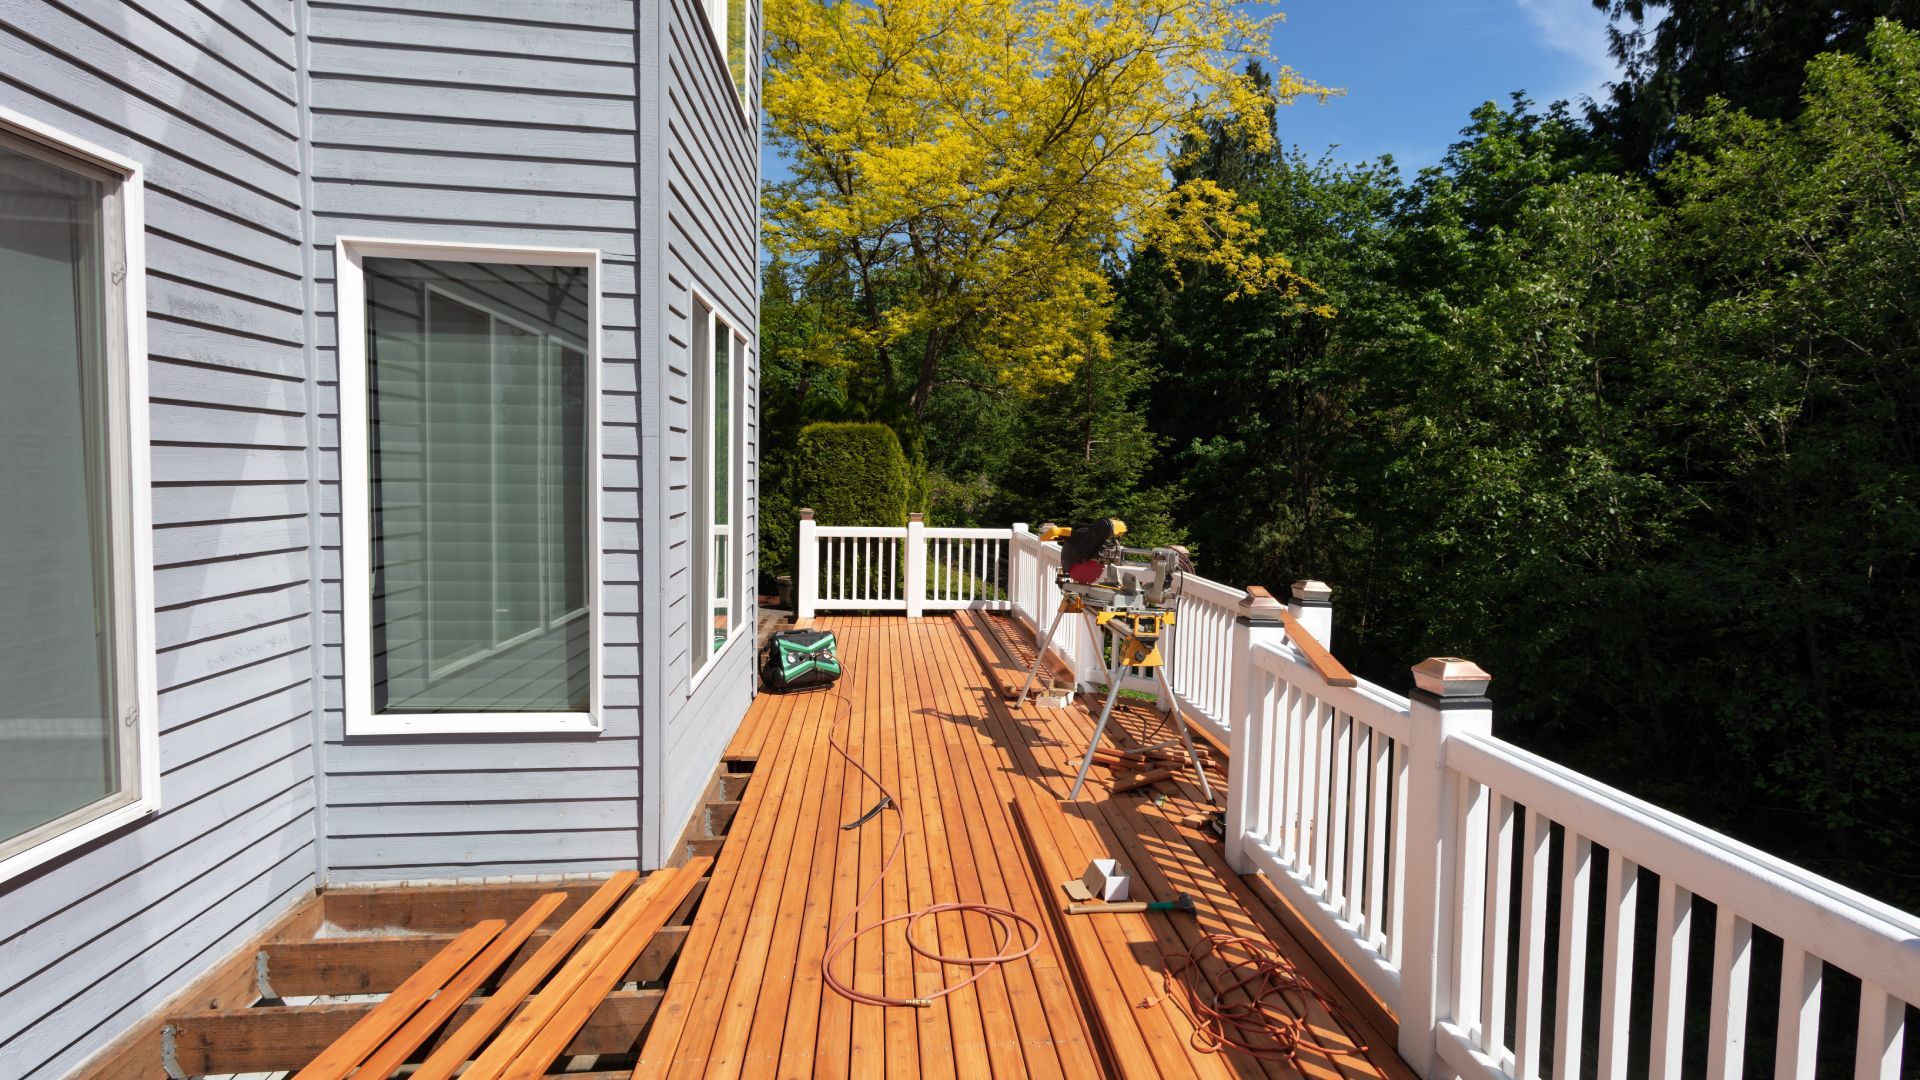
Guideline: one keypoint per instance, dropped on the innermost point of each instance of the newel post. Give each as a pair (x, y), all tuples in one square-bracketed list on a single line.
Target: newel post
[(806, 589), (914, 585), (1248, 786), (1312, 608), (1448, 700)]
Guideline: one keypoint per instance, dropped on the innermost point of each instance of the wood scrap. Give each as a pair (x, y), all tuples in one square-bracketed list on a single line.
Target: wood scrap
[(1143, 780)]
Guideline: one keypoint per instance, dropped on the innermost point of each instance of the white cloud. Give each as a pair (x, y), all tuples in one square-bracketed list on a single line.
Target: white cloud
[(1578, 31)]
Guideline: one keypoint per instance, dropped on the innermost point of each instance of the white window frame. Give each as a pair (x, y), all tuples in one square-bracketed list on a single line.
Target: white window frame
[(701, 654), (356, 524), (130, 503), (716, 13)]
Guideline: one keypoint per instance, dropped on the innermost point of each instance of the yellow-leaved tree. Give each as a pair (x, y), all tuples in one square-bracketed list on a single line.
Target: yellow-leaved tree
[(965, 166)]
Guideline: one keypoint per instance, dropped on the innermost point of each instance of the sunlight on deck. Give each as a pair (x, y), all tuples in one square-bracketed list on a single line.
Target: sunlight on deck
[(922, 707)]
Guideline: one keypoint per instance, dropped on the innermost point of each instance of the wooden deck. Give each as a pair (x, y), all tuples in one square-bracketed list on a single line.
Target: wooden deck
[(921, 706)]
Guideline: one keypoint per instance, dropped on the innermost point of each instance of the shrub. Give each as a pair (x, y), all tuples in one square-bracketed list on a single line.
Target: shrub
[(851, 474)]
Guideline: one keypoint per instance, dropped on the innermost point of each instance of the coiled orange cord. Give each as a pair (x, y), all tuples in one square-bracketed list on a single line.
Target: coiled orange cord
[(1009, 926), (1270, 1022)]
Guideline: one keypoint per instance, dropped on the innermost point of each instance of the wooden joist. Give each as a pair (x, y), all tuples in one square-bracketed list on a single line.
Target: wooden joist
[(375, 965), (366, 1035), (278, 1038), (445, 909), (417, 1030)]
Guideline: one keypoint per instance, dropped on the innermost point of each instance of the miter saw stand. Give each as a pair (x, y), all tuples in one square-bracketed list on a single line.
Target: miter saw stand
[(1139, 620)]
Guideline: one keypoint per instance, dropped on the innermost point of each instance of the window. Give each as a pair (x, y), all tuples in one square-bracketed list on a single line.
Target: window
[(78, 727), (728, 20), (467, 394), (719, 497)]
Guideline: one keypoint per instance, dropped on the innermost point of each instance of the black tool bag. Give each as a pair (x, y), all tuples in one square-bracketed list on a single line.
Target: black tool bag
[(800, 660)]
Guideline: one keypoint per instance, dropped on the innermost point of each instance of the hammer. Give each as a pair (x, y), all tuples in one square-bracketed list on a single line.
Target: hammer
[(1183, 902)]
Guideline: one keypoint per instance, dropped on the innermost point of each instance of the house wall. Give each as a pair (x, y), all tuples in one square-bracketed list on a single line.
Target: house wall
[(267, 129), (708, 165), (93, 941), (445, 122)]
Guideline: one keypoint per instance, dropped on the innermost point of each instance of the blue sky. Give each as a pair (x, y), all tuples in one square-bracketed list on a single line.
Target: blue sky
[(1414, 70)]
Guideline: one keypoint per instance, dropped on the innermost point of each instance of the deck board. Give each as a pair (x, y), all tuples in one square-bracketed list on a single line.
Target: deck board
[(920, 706)]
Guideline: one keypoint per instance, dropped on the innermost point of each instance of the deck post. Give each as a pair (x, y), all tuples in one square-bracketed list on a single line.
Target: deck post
[(1312, 608), (1448, 700), (914, 585), (806, 585), (1257, 623)]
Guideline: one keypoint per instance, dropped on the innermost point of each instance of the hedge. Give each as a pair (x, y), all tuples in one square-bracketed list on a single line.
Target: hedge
[(851, 474)]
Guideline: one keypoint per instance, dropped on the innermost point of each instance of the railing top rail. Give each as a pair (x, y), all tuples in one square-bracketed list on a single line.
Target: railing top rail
[(1210, 591), (1851, 930), (860, 530), (956, 532)]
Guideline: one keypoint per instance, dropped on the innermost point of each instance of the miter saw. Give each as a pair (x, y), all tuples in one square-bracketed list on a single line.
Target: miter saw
[(1129, 593)]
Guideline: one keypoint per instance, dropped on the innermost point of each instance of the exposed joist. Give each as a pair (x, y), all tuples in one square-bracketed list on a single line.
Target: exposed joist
[(275, 1038), (445, 909), (375, 965)]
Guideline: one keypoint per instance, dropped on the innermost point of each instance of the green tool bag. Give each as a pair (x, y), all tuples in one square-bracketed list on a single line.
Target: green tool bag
[(800, 660)]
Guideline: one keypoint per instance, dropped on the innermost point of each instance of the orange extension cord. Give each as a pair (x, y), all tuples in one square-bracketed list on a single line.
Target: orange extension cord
[(1005, 922), (1270, 1022)]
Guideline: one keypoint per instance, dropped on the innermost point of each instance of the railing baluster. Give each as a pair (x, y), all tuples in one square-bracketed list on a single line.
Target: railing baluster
[(1471, 932), (1322, 795), (1338, 808), (1377, 885), (1798, 1043), (1673, 930), (1616, 965), (1883, 1030), (1359, 841), (1397, 861), (1727, 1023), (1493, 965), (1529, 991), (1576, 884)]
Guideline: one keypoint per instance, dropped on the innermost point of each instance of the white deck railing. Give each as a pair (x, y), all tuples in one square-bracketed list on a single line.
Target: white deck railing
[(1423, 850), (914, 569)]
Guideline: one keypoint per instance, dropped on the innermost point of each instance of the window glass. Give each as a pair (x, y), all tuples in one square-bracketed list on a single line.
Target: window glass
[(478, 482), (60, 749), (722, 440), (737, 44)]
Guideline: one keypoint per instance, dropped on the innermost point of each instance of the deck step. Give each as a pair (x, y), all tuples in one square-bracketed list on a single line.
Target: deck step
[(704, 845), (720, 816)]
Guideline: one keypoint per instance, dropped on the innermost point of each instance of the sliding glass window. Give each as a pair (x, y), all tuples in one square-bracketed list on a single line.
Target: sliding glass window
[(478, 481), (71, 730)]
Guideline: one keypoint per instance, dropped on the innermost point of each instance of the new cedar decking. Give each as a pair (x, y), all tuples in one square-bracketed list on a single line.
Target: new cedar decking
[(921, 706)]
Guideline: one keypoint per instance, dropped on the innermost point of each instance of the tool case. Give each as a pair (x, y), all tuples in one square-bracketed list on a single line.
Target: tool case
[(800, 660)]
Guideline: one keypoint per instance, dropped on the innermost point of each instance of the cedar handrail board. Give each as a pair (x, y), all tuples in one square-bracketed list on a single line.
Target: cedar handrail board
[(1318, 658), (337, 1060), (395, 1051), (452, 1054)]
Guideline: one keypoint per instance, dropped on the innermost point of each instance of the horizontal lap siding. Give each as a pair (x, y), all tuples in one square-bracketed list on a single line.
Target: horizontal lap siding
[(203, 93), (443, 120), (710, 156)]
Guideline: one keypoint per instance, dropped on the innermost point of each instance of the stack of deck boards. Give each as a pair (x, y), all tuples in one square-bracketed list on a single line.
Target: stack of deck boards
[(527, 1022)]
